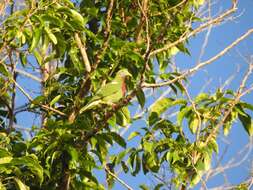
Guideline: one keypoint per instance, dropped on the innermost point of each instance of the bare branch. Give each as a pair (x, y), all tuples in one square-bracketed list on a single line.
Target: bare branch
[(29, 75), (118, 179), (196, 68), (31, 100), (197, 30), (82, 49)]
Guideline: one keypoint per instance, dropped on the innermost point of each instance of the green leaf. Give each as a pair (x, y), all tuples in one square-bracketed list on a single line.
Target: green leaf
[(173, 51), (52, 19), (112, 121), (31, 162), (119, 157), (23, 59), (141, 97), (118, 139), (226, 128), (6, 160), (238, 108), (207, 162), (54, 156), (195, 179), (247, 123), (199, 2), (56, 99), (132, 135), (20, 184), (126, 114), (246, 105), (36, 38), (182, 113), (213, 144), (148, 146), (194, 124), (38, 57), (124, 166), (73, 163), (38, 99), (201, 97), (152, 162), (51, 36), (2, 187), (123, 117), (107, 137), (89, 176), (3, 69), (144, 187), (174, 157), (137, 165), (153, 118), (73, 53), (78, 17), (158, 186), (4, 152), (161, 105)]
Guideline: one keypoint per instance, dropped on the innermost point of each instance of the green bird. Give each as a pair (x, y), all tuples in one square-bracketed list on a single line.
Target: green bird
[(109, 93)]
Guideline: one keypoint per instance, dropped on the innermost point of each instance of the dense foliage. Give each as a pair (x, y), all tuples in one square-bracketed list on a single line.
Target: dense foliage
[(79, 51)]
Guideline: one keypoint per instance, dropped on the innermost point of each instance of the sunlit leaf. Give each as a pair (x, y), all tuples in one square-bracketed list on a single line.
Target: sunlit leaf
[(182, 113), (132, 135), (21, 185), (35, 39), (5, 160), (55, 99), (50, 34)]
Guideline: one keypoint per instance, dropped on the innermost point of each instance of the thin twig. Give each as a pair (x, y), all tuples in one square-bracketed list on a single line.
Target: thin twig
[(118, 179), (13, 95), (82, 49), (240, 94), (107, 33), (29, 75), (195, 110), (31, 100), (197, 67), (197, 30)]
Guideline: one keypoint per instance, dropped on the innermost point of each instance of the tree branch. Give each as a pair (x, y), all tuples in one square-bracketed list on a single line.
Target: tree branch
[(82, 49), (45, 107), (240, 94), (197, 30), (196, 68), (118, 179), (28, 75)]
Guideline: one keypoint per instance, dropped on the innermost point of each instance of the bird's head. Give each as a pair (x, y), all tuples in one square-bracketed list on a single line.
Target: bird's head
[(123, 73)]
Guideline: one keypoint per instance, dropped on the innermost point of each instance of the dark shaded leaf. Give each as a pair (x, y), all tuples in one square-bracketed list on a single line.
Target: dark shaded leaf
[(247, 123)]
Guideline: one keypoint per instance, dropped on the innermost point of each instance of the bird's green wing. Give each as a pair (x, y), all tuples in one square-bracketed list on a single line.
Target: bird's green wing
[(108, 94), (107, 90)]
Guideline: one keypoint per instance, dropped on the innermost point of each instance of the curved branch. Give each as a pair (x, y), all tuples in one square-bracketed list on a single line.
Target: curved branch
[(197, 30), (196, 68)]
